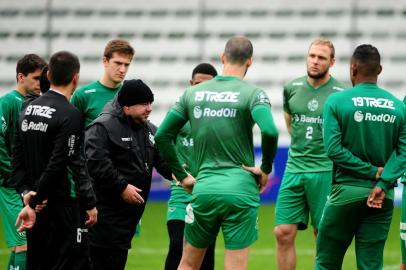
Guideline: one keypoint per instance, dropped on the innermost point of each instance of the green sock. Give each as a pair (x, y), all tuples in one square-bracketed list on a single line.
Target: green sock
[(20, 260), (11, 261)]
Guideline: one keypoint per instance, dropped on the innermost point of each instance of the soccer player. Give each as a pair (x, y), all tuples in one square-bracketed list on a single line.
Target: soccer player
[(28, 73), (179, 197), (222, 113), (46, 145), (363, 126), (307, 179), (90, 100)]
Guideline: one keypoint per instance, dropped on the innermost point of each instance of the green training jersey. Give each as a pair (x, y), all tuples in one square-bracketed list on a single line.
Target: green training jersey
[(363, 127), (219, 112), (91, 99), (10, 108), (304, 104), (184, 149)]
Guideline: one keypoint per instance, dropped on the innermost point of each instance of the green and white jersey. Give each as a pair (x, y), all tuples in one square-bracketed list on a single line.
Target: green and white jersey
[(363, 127), (10, 108), (184, 149), (219, 112), (304, 104), (91, 99)]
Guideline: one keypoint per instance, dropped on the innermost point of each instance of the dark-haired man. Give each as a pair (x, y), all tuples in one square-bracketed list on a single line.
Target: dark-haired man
[(28, 73), (120, 154), (363, 126), (46, 146), (222, 113), (179, 198)]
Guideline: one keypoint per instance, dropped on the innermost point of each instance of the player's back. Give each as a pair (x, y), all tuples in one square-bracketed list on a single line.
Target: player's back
[(219, 112), (43, 124), (370, 119)]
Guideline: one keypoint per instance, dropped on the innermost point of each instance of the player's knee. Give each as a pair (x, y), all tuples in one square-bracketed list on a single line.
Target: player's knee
[(284, 234)]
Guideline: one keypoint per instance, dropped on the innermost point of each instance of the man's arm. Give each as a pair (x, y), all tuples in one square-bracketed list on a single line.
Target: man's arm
[(165, 139), (98, 161), (262, 115), (396, 165), (18, 175), (288, 121), (340, 155), (5, 159)]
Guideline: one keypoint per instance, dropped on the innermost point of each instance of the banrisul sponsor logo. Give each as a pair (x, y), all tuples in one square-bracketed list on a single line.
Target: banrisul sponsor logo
[(301, 118), (208, 112), (25, 126), (359, 117), (210, 96)]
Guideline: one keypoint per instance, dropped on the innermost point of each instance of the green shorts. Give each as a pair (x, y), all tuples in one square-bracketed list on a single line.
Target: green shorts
[(301, 194), (403, 226), (10, 206), (237, 216), (177, 204), (347, 217)]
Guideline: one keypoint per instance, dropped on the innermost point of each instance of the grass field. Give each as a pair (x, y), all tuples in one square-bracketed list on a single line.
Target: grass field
[(149, 250)]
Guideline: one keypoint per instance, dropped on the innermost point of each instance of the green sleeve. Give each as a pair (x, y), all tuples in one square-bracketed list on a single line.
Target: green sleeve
[(5, 159), (165, 139), (340, 155), (77, 101), (269, 135), (286, 99), (396, 165)]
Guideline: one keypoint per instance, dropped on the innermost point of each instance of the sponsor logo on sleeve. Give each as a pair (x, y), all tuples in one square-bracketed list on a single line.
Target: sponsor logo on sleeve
[(90, 91), (71, 145)]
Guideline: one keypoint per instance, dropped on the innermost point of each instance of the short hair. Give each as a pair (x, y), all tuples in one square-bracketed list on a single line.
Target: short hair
[(368, 59), (204, 68), (44, 84), (325, 42), (120, 46), (238, 50), (63, 66), (29, 63)]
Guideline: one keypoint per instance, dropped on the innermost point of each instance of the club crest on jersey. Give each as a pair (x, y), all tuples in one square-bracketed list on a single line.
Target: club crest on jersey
[(313, 105), (358, 116)]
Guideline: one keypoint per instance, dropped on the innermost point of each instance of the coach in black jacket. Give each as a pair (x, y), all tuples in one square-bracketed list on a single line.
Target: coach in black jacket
[(120, 154)]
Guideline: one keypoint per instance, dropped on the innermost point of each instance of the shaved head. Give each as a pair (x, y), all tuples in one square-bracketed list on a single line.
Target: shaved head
[(238, 50), (367, 59)]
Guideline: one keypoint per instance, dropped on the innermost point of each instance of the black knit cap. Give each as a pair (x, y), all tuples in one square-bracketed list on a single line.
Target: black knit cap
[(134, 92)]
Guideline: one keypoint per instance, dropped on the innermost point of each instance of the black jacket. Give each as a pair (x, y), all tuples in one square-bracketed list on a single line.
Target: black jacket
[(119, 152), (86, 194), (47, 144)]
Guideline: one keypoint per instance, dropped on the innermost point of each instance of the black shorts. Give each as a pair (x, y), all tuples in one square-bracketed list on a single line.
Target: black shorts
[(54, 240)]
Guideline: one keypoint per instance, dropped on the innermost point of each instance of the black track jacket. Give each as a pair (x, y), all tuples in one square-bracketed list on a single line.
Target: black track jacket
[(119, 152)]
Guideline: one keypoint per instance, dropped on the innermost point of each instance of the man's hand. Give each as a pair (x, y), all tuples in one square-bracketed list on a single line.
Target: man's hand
[(27, 218), (28, 196), (378, 173), (262, 178), (131, 195), (39, 207), (188, 183), (91, 217), (376, 198)]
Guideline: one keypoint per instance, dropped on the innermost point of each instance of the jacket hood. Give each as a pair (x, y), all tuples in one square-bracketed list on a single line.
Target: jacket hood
[(113, 108)]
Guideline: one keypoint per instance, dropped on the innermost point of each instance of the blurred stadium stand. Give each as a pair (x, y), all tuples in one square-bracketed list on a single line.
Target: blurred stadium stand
[(171, 37)]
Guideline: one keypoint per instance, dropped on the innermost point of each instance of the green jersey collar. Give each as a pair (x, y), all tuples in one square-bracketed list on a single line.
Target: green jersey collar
[(320, 86), (226, 78)]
